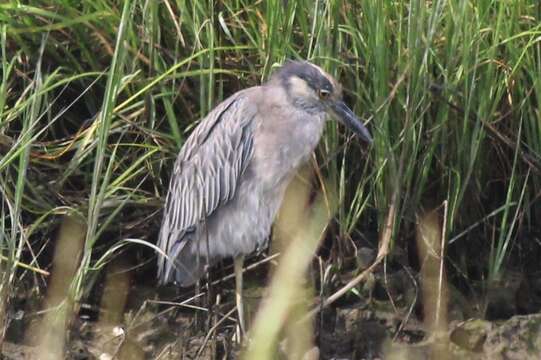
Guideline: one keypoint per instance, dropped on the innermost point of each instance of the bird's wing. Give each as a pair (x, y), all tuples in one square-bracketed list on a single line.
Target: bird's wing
[(206, 174)]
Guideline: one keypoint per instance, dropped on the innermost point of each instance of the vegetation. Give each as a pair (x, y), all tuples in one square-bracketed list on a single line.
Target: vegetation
[(97, 97)]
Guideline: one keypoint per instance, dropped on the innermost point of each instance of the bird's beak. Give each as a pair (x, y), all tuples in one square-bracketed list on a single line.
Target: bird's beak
[(348, 118)]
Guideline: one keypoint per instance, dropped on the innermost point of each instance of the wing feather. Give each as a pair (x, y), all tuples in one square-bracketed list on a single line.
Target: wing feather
[(206, 174)]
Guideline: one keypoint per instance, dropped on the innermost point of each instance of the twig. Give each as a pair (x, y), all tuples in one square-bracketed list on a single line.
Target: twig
[(247, 268), (382, 252), (26, 266), (207, 337)]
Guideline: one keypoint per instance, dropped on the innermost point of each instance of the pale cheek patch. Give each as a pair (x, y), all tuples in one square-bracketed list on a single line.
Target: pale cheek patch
[(299, 88)]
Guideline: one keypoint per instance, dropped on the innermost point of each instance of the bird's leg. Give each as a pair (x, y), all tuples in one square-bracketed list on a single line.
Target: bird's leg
[(238, 263)]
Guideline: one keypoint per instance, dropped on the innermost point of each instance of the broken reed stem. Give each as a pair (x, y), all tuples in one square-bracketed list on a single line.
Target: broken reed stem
[(442, 257), (302, 226)]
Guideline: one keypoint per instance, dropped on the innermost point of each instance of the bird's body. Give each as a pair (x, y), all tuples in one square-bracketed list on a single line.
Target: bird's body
[(231, 174)]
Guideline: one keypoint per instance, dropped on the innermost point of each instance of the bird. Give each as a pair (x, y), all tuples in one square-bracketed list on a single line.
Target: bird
[(231, 173)]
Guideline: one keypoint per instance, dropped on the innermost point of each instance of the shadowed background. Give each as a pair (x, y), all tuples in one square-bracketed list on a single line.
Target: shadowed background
[(97, 97)]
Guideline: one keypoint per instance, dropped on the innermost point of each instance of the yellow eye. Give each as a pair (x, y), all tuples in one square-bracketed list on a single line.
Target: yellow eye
[(323, 94)]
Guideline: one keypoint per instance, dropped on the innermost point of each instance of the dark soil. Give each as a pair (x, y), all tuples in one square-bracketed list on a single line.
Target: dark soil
[(382, 319)]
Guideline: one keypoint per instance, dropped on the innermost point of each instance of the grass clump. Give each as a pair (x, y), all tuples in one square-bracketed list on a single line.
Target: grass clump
[(97, 97)]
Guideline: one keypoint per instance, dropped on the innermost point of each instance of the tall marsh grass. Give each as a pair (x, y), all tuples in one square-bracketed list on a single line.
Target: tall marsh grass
[(97, 97)]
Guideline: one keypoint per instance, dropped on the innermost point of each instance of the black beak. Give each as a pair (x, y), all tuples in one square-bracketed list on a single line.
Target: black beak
[(348, 118)]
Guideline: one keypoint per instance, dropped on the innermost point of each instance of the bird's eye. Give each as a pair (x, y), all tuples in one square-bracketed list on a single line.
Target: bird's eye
[(323, 94)]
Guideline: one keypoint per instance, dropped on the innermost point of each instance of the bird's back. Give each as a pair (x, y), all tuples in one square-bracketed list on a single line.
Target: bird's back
[(206, 175)]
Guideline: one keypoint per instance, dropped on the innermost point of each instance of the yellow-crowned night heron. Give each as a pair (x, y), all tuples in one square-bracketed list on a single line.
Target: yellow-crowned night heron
[(230, 176)]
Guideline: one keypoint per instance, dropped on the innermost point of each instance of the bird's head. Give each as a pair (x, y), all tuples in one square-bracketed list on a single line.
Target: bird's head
[(312, 89)]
